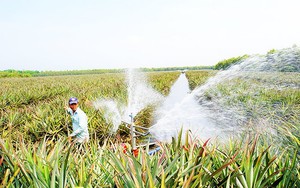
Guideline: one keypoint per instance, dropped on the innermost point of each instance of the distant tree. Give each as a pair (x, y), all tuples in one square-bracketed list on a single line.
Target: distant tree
[(177, 68), (29, 73), (17, 73), (271, 51), (224, 64)]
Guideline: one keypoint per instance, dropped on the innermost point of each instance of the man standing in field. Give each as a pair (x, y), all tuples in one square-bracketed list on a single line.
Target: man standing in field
[(79, 121)]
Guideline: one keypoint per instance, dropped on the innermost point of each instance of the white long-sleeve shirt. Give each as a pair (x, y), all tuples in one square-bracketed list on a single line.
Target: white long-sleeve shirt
[(79, 125)]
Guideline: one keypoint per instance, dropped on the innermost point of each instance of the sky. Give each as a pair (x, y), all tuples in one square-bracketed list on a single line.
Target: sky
[(107, 34)]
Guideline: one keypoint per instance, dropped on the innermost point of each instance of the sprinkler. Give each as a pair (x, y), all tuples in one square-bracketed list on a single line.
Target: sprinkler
[(134, 134)]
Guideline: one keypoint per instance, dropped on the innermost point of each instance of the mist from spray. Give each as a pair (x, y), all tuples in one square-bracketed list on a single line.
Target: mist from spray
[(178, 91), (140, 95), (181, 112), (111, 112), (207, 118)]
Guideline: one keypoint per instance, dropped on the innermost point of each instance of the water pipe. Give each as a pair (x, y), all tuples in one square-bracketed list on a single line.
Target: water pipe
[(154, 151), (132, 133)]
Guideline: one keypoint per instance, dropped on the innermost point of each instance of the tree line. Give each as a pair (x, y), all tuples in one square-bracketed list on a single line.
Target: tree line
[(29, 73)]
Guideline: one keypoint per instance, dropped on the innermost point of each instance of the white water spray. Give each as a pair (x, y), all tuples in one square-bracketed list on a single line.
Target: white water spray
[(111, 112), (179, 90), (181, 112), (140, 95), (206, 118)]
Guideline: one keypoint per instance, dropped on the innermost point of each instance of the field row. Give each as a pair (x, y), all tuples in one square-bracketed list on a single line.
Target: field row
[(35, 152), (34, 107)]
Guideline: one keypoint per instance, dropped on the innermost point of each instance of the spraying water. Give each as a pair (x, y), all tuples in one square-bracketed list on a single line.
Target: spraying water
[(182, 112), (207, 118), (140, 95), (111, 112), (178, 91)]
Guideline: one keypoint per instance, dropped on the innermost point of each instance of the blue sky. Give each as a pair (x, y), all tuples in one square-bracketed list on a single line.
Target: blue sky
[(74, 35)]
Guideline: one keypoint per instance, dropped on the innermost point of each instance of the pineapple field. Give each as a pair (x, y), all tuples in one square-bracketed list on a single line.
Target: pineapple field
[(35, 151)]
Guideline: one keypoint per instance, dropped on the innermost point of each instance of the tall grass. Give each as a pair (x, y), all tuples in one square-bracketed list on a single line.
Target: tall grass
[(189, 163)]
